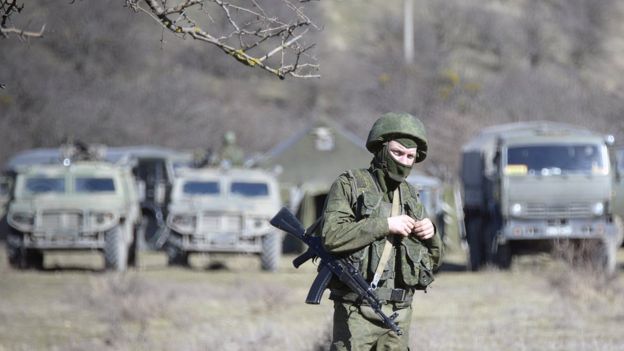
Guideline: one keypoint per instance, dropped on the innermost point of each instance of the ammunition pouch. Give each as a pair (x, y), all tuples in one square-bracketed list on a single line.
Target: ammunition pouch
[(416, 265)]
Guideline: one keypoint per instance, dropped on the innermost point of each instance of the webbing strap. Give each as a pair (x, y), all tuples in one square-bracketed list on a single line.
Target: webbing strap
[(383, 261)]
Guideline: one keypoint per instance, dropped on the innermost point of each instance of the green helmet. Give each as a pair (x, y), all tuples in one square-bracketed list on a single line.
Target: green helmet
[(392, 126), (229, 137)]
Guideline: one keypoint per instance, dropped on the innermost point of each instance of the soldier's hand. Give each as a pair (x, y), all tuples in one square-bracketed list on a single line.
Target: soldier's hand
[(401, 225), (423, 229)]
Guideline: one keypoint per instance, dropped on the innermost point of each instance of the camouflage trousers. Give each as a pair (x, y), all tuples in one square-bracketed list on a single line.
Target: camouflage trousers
[(358, 328)]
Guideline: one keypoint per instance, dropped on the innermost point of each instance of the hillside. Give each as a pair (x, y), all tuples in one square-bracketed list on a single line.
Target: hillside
[(102, 74)]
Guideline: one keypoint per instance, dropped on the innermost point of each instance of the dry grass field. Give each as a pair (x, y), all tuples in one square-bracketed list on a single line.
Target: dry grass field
[(227, 303)]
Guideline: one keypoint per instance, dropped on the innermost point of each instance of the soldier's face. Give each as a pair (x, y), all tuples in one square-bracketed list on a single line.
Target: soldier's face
[(401, 154)]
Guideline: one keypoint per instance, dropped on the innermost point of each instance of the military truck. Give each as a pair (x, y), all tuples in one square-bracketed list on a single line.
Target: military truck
[(535, 186), (216, 210), (73, 205)]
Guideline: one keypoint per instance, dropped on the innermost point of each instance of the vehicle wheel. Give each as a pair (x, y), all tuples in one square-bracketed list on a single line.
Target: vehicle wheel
[(603, 256), (475, 242), (133, 250), (20, 257), (15, 253), (34, 259), (503, 256), (176, 257), (115, 250), (271, 252)]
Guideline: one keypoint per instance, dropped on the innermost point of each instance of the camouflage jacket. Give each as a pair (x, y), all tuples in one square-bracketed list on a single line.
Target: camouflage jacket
[(355, 226)]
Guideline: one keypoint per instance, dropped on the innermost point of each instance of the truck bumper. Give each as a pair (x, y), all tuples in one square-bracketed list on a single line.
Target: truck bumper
[(527, 229), (215, 243), (64, 242)]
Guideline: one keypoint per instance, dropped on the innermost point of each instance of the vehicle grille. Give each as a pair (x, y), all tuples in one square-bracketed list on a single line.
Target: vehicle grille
[(570, 210), (221, 223), (61, 220)]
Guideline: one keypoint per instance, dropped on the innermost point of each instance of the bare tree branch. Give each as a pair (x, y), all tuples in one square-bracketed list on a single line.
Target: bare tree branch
[(243, 29), (9, 8)]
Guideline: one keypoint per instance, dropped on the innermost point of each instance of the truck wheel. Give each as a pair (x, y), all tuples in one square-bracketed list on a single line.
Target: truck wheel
[(115, 250), (149, 232), (271, 252), (176, 257), (605, 256), (133, 250), (14, 249), (34, 259), (19, 257), (475, 242), (503, 256)]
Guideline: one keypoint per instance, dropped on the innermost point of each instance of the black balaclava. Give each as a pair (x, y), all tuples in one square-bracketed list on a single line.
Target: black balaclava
[(394, 172)]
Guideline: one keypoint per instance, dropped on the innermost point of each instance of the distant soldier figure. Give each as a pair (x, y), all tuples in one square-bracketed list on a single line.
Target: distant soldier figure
[(230, 152), (374, 217)]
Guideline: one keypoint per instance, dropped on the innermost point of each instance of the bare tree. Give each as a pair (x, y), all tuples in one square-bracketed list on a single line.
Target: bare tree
[(8, 9), (244, 29)]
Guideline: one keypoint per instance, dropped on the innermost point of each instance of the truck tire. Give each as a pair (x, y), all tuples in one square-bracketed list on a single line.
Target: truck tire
[(271, 252), (176, 256), (14, 249), (115, 250), (19, 257), (133, 250), (606, 256), (475, 242), (503, 256)]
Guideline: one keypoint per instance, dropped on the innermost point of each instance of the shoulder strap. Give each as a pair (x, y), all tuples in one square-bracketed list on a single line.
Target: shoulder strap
[(361, 180)]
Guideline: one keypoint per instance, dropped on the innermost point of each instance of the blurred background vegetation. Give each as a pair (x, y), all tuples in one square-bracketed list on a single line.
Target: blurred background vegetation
[(103, 73)]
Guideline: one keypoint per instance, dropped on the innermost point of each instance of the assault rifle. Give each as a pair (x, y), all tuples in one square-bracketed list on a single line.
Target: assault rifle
[(329, 266)]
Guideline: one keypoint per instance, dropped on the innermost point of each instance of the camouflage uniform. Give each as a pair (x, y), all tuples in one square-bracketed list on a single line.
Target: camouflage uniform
[(356, 226), (231, 152)]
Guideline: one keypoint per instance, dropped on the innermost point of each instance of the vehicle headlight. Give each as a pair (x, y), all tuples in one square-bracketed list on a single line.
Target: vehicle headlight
[(515, 209), (101, 218), (23, 218), (598, 209), (183, 222), (256, 224)]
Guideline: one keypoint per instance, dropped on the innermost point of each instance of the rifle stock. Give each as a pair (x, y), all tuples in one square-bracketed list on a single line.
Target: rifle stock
[(330, 266)]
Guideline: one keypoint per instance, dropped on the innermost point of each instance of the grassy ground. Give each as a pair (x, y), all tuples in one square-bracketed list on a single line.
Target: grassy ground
[(227, 303)]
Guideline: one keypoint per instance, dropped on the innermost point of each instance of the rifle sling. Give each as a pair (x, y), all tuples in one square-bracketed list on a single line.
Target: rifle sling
[(383, 261)]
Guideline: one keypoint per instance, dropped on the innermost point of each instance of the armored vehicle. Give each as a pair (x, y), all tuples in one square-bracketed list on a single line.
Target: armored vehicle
[(81, 205), (214, 210), (535, 186)]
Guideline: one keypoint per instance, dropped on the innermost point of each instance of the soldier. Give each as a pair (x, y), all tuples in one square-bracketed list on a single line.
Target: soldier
[(374, 217), (230, 152)]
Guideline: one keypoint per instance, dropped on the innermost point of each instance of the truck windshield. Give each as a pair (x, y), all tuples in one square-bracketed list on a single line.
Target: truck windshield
[(94, 185), (39, 185), (249, 189), (557, 159), (201, 188)]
